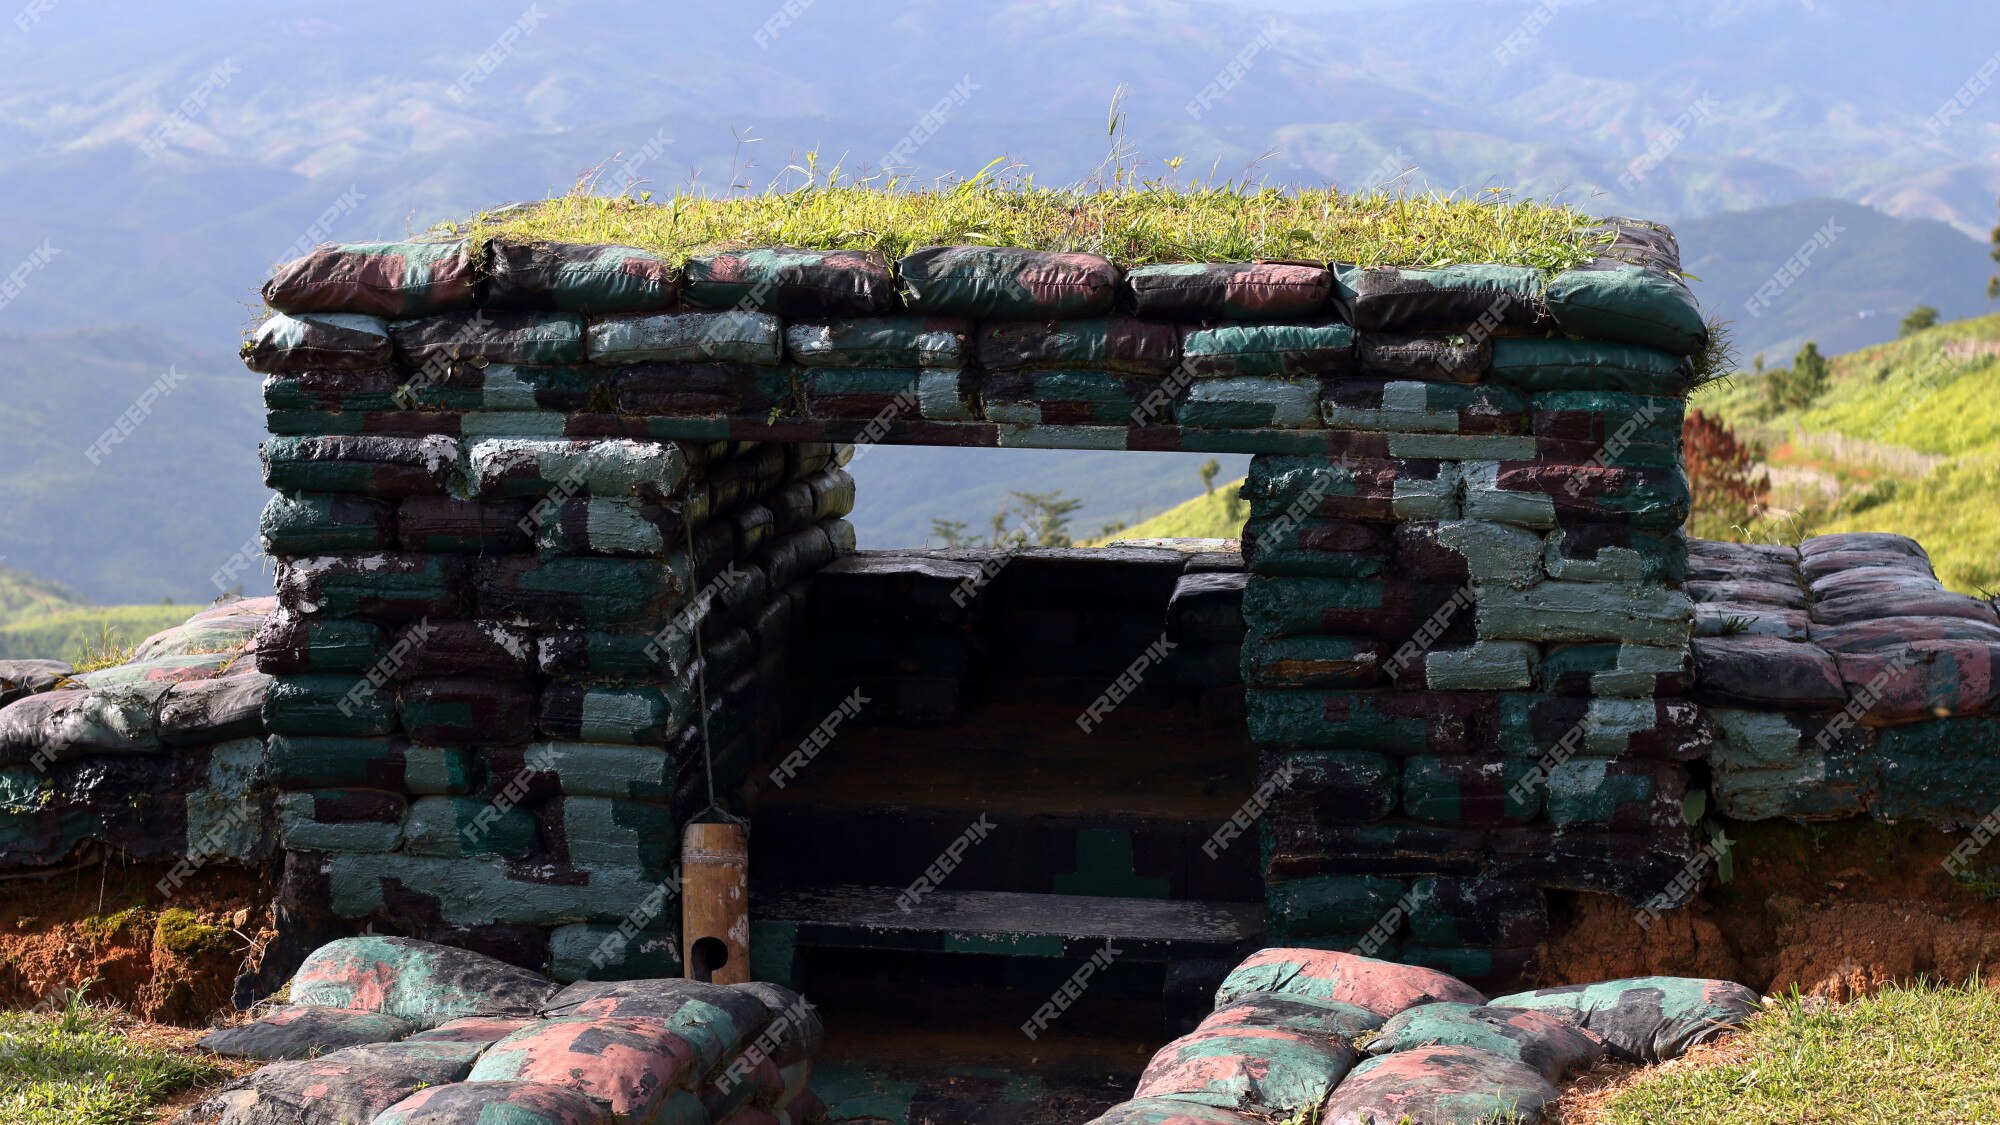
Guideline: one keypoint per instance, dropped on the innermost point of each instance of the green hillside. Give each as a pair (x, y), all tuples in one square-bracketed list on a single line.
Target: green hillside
[(42, 620), (1217, 515), (1905, 438)]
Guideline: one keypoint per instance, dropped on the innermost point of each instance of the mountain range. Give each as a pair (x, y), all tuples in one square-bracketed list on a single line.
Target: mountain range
[(156, 160)]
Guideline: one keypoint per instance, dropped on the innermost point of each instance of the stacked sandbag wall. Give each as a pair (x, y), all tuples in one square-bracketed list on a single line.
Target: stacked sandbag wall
[(1467, 633), (159, 757), (1845, 680), (500, 613)]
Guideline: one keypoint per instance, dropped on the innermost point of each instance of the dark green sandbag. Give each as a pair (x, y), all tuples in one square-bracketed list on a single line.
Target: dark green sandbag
[(793, 283), (1434, 358), (639, 714), (1403, 406), (1270, 349), (514, 1103), (456, 827), (1061, 398), (534, 339), (367, 464), (546, 770), (1249, 402), (578, 593), (1389, 722), (1387, 490), (581, 655), (449, 525), (1473, 791), (329, 704), (291, 643), (883, 341), (1114, 343), (1628, 304), (301, 1031), (601, 831), (341, 820), (1535, 363), (705, 389), (333, 391), (1229, 290), (465, 709), (736, 336), (1273, 1071), (1612, 552), (303, 523), (1449, 298), (386, 279), (1448, 911), (286, 345), (554, 469), (1308, 662), (1440, 1086), (1552, 1047), (1329, 904), (391, 764), (1317, 548), (1607, 419), (398, 587), (1617, 670), (1646, 1019), (571, 277), (1001, 283), (511, 387)]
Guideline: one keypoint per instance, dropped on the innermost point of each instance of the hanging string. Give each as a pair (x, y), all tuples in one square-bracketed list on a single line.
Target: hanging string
[(697, 617)]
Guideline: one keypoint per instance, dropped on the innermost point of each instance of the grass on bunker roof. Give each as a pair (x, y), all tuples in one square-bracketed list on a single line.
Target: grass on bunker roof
[(1131, 221)]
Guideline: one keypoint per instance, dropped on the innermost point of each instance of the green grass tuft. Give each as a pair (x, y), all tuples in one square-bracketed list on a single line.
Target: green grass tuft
[(1134, 224), (77, 1067), (1922, 1052)]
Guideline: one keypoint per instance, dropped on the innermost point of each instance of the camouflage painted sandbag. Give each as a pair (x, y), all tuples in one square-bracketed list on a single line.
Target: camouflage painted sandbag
[(892, 394), (1270, 349), (201, 712), (1390, 491), (1061, 398), (392, 586), (1309, 662), (393, 280), (1542, 494), (333, 1090), (1229, 290), (715, 1020), (1321, 905), (793, 283), (464, 710), (370, 464), (1440, 1086), (487, 336), (1396, 406), (22, 678), (341, 820), (1002, 283), (462, 827), (736, 336), (538, 467), (60, 725), (306, 523), (579, 593), (605, 832), (1552, 1047), (1255, 1069), (1646, 1019), (496, 1103), (1382, 987), (329, 704), (795, 1033), (1536, 363), (286, 345), (1431, 359), (1114, 343), (1317, 548), (479, 1031), (435, 1061), (448, 525), (1449, 299), (332, 392), (1607, 422), (882, 341), (706, 390), (579, 278), (1767, 670), (388, 764), (1173, 1111), (1630, 305), (302, 1031), (1249, 402), (1324, 1019), (626, 1065)]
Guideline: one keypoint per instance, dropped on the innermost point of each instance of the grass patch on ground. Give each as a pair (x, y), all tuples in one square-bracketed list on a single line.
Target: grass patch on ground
[(1921, 1052), (82, 1066), (1133, 224)]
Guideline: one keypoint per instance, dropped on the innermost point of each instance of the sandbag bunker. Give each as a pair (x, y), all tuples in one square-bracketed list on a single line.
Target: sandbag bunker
[(1310, 1035), (392, 1031)]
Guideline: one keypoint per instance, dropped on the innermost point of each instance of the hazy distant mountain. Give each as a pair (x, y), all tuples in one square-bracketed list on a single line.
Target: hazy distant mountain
[(156, 159)]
